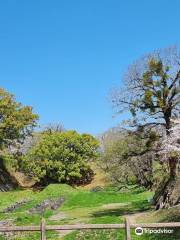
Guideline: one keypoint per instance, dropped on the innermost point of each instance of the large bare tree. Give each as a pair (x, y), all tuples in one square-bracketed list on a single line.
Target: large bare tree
[(152, 93)]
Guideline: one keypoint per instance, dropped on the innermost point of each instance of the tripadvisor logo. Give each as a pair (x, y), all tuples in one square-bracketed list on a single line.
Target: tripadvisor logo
[(139, 231)]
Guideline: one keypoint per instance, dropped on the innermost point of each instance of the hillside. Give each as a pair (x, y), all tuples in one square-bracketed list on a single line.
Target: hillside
[(24, 207)]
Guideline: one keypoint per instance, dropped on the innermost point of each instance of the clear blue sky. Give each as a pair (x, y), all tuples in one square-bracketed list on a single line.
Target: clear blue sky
[(63, 56)]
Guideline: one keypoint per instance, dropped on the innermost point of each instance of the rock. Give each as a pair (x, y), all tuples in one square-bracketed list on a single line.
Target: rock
[(97, 189), (57, 203), (47, 204), (14, 206)]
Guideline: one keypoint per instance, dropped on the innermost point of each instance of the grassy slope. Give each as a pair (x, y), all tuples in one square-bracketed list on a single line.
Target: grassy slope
[(81, 205)]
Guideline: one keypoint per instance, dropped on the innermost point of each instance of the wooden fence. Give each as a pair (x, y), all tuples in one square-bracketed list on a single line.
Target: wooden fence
[(127, 226)]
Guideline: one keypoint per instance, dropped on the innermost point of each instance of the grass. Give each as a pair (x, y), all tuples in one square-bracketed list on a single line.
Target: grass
[(81, 206), (20, 215)]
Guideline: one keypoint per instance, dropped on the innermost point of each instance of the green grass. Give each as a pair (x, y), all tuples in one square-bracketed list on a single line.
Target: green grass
[(81, 206), (82, 198)]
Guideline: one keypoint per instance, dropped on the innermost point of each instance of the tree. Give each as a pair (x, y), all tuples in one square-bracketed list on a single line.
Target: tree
[(171, 142), (170, 149), (16, 122), (56, 127), (152, 92), (62, 157), (121, 157)]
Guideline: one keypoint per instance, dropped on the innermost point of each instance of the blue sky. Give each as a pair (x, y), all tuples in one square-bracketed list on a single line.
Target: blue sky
[(63, 56)]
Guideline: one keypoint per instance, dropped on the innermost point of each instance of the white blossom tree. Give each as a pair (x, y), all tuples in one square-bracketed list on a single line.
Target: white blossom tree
[(171, 142), (151, 93), (171, 145), (169, 192)]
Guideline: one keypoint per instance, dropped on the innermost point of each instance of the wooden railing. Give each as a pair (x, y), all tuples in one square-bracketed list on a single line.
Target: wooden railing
[(127, 226)]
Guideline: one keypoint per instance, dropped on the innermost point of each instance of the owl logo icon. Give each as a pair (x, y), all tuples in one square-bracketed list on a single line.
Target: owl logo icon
[(139, 231)]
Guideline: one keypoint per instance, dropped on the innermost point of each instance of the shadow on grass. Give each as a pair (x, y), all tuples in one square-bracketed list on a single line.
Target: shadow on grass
[(175, 217), (132, 208)]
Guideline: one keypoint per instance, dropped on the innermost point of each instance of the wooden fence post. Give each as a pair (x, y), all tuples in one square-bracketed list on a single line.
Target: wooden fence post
[(43, 229), (128, 229)]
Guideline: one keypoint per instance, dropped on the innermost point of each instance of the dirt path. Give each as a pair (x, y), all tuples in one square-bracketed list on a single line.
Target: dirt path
[(134, 217), (63, 215), (60, 216)]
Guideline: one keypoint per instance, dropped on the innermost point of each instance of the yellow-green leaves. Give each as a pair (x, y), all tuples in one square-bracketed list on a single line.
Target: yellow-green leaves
[(62, 157), (16, 120), (156, 66)]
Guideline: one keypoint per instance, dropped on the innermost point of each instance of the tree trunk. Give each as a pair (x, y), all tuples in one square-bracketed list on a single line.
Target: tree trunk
[(7, 182), (173, 161), (142, 170), (168, 194)]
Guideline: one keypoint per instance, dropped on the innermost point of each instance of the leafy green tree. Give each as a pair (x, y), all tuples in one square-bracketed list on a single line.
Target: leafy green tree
[(152, 94), (61, 157), (16, 123)]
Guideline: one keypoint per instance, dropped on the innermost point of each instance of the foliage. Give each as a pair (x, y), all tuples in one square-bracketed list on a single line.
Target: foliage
[(61, 157), (152, 89), (112, 159), (16, 121), (152, 95), (171, 142), (170, 147), (121, 157)]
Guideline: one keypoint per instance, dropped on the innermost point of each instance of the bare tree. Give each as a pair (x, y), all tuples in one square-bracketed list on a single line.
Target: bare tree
[(56, 127), (152, 93), (125, 157)]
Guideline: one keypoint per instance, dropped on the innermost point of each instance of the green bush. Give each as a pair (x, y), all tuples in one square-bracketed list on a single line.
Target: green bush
[(62, 157)]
